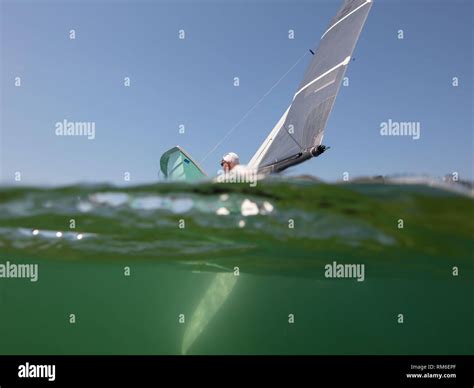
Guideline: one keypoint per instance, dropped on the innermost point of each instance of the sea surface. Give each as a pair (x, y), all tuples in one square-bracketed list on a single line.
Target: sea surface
[(232, 269)]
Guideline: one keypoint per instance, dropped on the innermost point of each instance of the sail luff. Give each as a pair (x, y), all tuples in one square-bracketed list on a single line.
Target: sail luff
[(255, 161)]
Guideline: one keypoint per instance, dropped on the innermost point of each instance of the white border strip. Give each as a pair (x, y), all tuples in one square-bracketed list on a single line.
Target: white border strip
[(343, 63), (350, 13)]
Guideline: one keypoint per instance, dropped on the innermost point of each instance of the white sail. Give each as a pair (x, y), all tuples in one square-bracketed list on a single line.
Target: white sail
[(255, 161), (300, 130)]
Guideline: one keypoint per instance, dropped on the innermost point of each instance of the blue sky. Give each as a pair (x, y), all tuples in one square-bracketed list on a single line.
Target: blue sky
[(190, 82)]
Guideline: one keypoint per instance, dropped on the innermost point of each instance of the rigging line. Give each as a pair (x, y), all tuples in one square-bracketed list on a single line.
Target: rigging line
[(252, 108), (296, 141)]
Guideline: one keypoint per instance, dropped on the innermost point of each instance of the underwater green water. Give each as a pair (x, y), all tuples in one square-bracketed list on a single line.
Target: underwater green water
[(231, 269)]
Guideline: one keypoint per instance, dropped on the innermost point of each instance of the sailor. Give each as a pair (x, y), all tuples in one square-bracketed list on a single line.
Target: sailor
[(230, 161)]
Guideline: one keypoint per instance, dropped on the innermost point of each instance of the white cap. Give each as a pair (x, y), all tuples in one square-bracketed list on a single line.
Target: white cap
[(231, 157)]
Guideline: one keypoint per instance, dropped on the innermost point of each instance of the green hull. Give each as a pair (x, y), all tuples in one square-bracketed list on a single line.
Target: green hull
[(177, 165)]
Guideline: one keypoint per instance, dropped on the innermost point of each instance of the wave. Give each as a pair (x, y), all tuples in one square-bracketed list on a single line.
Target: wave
[(281, 227)]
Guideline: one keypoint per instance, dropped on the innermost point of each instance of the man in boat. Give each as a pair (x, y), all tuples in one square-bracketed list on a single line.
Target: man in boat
[(236, 172), (230, 161)]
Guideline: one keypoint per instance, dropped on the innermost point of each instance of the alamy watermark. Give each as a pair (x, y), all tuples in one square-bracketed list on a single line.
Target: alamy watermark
[(244, 175), (19, 271), (75, 128), (400, 128), (345, 271), (37, 371)]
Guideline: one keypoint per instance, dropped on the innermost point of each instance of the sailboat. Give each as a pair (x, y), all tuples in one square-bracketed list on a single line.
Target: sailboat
[(298, 134), (296, 138)]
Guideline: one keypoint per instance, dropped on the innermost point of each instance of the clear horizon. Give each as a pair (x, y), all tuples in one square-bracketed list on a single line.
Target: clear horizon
[(190, 82)]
